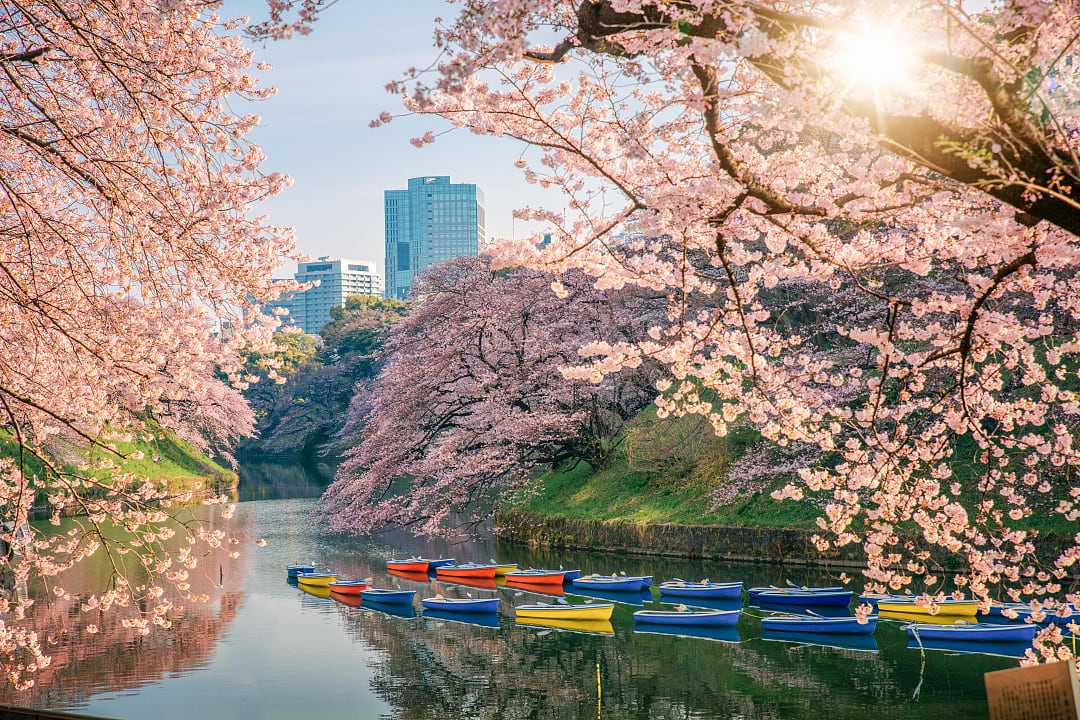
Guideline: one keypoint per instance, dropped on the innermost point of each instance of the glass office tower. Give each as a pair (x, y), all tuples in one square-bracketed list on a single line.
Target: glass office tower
[(431, 222)]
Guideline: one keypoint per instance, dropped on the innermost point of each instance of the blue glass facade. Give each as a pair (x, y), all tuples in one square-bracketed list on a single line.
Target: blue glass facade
[(431, 222)]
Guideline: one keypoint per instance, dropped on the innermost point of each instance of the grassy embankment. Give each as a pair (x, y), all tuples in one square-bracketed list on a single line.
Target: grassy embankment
[(666, 471), (166, 459)]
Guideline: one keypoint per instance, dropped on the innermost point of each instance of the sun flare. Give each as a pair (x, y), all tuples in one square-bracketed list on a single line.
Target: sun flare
[(874, 58)]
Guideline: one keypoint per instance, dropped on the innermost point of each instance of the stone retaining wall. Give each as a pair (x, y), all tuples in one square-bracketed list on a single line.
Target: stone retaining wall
[(695, 541)]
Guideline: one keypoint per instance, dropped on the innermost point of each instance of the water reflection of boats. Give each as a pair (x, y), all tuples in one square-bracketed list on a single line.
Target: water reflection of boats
[(481, 583), (349, 600), (536, 588), (393, 609), (861, 643), (624, 597), (727, 634), (581, 627), (488, 620), (318, 591), (418, 577), (964, 647)]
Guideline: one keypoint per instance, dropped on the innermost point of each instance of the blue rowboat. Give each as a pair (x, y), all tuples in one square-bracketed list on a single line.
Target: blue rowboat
[(607, 582), (388, 597), (691, 617), (625, 597), (873, 598), (388, 608), (834, 598), (680, 588), (810, 624), (489, 620), (967, 647), (754, 592), (1051, 616), (439, 562), (481, 605), (861, 643), (717, 633), (973, 632), (294, 570), (708, 603), (571, 575), (996, 609), (817, 611)]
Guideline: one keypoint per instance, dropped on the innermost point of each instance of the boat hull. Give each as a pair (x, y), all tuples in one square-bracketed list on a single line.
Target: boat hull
[(966, 608), (315, 580), (505, 568), (754, 592), (581, 627), (486, 605), (486, 572), (829, 626), (294, 570), (621, 584), (388, 597), (348, 588), (553, 577), (807, 599), (565, 612), (412, 566), (974, 633), (717, 592), (708, 618)]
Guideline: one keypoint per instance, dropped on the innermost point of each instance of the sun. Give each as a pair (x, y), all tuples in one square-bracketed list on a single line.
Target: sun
[(873, 58)]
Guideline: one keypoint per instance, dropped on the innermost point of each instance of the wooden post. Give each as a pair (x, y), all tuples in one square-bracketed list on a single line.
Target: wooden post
[(1037, 692)]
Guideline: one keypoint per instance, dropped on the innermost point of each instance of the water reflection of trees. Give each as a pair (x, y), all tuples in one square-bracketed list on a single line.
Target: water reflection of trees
[(93, 652), (445, 669)]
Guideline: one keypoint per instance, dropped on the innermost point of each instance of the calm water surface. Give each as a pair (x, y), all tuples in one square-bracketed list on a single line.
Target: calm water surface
[(264, 649)]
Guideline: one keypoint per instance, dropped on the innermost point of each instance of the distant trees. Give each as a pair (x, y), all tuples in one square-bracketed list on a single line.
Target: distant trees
[(473, 399), (297, 417)]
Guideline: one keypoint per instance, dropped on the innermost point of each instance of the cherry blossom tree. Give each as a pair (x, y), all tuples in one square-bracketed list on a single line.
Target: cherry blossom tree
[(923, 154), (132, 268), (472, 400)]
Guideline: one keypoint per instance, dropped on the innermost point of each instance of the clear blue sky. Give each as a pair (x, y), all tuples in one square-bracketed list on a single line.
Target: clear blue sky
[(330, 85)]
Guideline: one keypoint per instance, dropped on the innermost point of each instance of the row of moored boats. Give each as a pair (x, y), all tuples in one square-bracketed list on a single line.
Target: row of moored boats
[(795, 605)]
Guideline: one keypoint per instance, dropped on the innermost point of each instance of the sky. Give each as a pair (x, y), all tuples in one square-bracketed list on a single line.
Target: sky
[(330, 84)]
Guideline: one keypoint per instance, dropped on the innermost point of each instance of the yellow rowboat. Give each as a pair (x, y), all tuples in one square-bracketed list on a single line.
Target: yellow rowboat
[(587, 611), (316, 579), (505, 568), (949, 608), (926, 619), (586, 627)]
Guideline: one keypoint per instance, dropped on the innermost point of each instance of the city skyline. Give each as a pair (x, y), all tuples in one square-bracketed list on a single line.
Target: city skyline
[(330, 86)]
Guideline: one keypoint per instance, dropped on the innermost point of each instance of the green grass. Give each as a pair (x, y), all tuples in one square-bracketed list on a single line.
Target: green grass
[(165, 459), (666, 471), (663, 471)]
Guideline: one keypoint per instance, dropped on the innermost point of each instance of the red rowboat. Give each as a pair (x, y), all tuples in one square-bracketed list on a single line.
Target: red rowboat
[(469, 570), (410, 565), (482, 583), (348, 587), (537, 577)]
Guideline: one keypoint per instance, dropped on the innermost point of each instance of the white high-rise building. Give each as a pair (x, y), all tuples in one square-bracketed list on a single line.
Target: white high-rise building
[(337, 279)]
